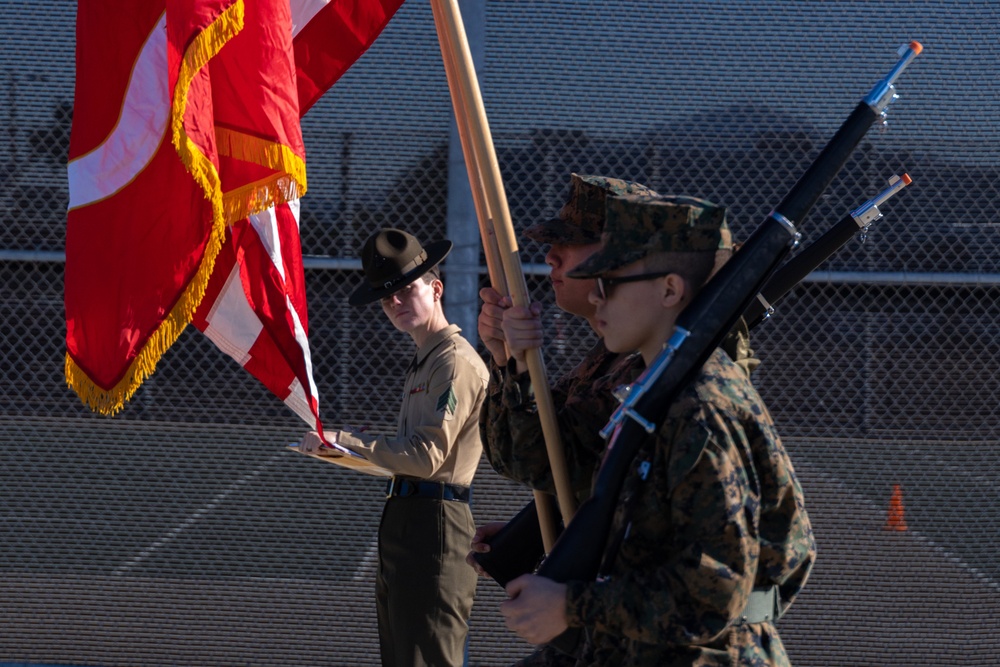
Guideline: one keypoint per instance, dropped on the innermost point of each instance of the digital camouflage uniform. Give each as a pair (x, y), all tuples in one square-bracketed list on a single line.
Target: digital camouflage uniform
[(510, 428), (512, 432), (698, 537), (711, 509), (509, 424), (584, 403)]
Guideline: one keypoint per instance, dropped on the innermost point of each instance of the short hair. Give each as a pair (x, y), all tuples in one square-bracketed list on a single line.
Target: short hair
[(694, 267), (433, 273)]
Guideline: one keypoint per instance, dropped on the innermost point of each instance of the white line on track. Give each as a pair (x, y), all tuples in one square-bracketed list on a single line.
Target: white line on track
[(199, 514)]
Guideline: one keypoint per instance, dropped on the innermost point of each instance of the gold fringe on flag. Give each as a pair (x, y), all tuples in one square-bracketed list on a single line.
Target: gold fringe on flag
[(202, 49), (259, 196), (287, 185), (271, 154)]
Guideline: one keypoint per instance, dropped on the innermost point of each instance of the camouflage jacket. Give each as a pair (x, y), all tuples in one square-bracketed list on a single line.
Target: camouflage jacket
[(710, 510), (512, 432)]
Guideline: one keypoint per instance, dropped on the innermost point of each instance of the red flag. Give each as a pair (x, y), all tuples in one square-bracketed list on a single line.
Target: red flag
[(255, 307), (186, 121), (186, 160), (329, 36), (140, 235)]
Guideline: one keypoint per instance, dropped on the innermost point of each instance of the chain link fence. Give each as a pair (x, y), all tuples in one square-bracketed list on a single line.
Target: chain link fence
[(181, 532)]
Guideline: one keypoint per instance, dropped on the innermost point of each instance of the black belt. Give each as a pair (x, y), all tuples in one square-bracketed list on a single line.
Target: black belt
[(411, 487)]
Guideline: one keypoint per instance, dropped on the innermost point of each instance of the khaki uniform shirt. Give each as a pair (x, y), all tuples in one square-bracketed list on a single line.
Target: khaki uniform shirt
[(437, 436)]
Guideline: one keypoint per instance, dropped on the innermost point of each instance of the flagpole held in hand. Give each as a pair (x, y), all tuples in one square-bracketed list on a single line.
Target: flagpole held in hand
[(497, 231)]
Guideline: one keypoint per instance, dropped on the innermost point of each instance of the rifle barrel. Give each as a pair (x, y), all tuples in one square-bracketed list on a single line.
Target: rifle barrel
[(804, 263)]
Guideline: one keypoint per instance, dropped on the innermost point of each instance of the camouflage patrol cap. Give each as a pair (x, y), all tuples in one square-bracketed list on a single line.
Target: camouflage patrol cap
[(641, 225), (581, 218)]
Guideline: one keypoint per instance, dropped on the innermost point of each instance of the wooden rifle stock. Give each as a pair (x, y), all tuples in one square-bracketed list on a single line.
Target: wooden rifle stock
[(699, 329)]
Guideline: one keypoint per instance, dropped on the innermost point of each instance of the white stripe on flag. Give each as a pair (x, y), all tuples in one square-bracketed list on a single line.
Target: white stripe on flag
[(266, 225), (232, 324), (303, 11), (299, 404), (134, 140), (303, 341)]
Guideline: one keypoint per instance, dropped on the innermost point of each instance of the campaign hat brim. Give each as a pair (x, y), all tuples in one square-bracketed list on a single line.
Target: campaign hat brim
[(366, 293)]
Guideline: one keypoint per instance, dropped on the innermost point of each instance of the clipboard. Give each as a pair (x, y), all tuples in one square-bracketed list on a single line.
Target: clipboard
[(345, 458)]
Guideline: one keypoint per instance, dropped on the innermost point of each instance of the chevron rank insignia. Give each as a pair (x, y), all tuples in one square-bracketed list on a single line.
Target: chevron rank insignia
[(447, 401)]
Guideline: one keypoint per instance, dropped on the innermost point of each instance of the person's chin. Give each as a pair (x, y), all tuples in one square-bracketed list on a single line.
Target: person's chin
[(611, 341), (602, 331), (403, 323)]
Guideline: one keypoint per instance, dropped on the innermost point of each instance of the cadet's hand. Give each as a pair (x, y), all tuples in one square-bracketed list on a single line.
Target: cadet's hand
[(536, 610), (490, 319), (481, 544), (522, 329), (312, 443)]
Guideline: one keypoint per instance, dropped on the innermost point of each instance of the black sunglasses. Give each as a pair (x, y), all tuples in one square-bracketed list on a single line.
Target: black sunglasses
[(604, 283)]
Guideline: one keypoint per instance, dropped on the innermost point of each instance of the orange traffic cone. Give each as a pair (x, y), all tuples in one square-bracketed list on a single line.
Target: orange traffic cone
[(896, 521)]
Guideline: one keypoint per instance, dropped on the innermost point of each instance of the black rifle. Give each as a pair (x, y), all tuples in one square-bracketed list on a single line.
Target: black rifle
[(700, 327), (517, 548), (794, 270)]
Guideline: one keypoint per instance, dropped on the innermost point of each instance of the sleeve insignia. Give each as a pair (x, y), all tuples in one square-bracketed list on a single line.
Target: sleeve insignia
[(447, 401)]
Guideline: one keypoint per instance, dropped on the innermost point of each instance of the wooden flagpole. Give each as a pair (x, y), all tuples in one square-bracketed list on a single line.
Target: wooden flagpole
[(493, 262), (498, 234), (543, 504)]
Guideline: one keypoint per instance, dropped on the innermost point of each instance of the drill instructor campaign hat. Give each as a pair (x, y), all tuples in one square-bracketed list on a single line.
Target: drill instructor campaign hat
[(392, 259), (581, 219), (640, 226)]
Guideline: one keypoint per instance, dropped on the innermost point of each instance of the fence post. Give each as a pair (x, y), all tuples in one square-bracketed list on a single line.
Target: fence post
[(462, 268)]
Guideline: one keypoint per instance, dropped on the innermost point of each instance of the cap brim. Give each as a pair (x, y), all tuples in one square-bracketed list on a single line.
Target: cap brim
[(598, 264), (560, 231), (365, 293)]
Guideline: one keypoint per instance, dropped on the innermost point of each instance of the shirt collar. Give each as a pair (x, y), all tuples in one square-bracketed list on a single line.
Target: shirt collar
[(435, 340)]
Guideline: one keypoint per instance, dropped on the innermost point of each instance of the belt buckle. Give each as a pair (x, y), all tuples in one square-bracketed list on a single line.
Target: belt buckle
[(391, 488)]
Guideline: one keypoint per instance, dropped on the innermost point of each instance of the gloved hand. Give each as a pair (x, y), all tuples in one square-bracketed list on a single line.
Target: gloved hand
[(311, 443)]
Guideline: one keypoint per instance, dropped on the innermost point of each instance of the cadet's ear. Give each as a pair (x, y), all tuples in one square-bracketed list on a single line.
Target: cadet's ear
[(675, 291), (438, 288)]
